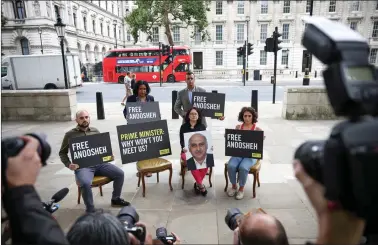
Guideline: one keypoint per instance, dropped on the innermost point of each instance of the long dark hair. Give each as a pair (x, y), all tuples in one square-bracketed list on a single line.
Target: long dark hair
[(249, 109), (140, 83), (187, 119)]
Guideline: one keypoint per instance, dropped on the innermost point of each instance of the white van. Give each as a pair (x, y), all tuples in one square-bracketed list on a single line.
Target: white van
[(39, 71)]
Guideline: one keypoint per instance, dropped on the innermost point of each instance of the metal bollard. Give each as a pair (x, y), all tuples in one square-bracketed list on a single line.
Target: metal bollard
[(296, 74), (255, 99), (316, 73), (174, 98), (100, 106), (306, 78)]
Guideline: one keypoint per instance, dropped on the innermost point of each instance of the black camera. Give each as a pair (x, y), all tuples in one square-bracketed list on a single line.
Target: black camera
[(233, 217), (128, 217), (161, 235), (346, 164), (11, 147)]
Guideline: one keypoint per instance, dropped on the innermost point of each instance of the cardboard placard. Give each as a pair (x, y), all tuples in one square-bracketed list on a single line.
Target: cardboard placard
[(141, 112), (244, 143), (210, 104)]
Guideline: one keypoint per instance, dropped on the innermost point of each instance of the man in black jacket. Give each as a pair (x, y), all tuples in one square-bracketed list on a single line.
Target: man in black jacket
[(30, 223)]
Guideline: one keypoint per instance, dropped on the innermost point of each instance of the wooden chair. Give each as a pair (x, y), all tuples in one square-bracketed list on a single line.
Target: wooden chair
[(155, 165), (255, 170), (183, 172), (98, 181)]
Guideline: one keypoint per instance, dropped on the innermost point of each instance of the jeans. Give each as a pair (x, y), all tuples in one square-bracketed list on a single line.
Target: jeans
[(198, 174), (84, 177), (241, 165)]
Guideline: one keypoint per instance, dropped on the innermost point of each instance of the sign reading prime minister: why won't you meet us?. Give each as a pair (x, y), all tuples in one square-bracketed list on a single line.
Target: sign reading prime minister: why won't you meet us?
[(210, 104), (244, 143), (90, 150), (143, 141)]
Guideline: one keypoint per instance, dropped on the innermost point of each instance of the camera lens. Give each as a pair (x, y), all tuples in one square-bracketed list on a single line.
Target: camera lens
[(232, 217), (310, 154), (128, 216), (161, 232)]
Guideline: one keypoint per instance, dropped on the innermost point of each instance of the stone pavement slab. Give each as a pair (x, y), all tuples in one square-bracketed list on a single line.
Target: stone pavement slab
[(196, 219)]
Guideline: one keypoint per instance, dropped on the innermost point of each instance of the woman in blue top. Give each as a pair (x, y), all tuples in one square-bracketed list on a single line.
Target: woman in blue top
[(140, 94)]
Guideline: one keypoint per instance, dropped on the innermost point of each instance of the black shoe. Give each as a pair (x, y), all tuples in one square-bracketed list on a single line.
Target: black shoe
[(203, 190), (196, 189), (119, 202)]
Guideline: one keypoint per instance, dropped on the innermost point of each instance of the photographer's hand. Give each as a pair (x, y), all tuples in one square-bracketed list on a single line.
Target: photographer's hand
[(135, 241), (335, 227), (23, 169), (235, 240)]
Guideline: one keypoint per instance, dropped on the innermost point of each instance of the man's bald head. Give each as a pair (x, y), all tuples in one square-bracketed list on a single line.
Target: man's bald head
[(83, 119), (262, 229)]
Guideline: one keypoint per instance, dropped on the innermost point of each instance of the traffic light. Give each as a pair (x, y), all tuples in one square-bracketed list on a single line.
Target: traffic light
[(166, 49), (249, 49), (269, 45), (276, 35), (241, 52)]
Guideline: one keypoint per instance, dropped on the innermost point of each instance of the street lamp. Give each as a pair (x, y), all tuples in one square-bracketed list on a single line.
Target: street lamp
[(60, 30), (115, 32), (247, 18), (40, 38)]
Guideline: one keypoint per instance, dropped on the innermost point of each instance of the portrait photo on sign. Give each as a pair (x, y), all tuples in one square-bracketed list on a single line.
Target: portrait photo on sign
[(198, 150)]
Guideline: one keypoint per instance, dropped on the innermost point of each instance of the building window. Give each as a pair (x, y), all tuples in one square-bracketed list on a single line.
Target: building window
[(263, 32), (285, 57), (176, 33), (219, 58), (155, 34), (85, 23), (102, 29), (353, 25), (119, 33), (74, 19), (262, 57), (106, 5), (264, 6), (332, 6), (94, 26), (24, 46), (57, 12), (241, 7), (373, 55), (128, 36), (376, 6), (218, 34), (218, 7), (285, 31), (19, 10), (375, 29), (356, 6), (240, 32), (197, 37), (112, 8), (286, 7), (239, 61), (308, 6), (108, 31)]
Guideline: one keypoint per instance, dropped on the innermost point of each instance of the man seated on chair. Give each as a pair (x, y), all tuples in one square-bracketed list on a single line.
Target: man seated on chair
[(84, 176)]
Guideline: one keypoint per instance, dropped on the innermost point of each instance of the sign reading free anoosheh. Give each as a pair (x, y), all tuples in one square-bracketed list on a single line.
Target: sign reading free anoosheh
[(210, 104), (143, 141), (90, 150), (244, 143), (140, 112)]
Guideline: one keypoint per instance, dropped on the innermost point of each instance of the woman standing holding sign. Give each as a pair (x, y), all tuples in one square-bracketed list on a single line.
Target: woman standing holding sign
[(141, 92), (193, 123), (248, 116)]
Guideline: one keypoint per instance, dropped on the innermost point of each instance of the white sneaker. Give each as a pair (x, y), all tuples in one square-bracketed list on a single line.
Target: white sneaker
[(239, 195), (231, 192)]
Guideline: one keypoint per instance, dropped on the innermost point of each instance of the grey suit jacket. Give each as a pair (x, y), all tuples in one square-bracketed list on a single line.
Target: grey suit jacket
[(182, 104)]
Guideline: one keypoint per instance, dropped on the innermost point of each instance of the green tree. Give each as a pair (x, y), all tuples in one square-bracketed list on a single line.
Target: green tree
[(167, 14)]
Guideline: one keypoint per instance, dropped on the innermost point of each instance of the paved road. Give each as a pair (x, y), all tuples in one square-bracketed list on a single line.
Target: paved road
[(233, 91)]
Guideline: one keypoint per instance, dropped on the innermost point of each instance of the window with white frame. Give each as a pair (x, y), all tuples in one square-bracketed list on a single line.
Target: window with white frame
[(286, 7), (239, 61), (263, 56), (155, 34), (94, 26), (264, 6), (176, 33), (19, 9), (197, 34), (218, 7), (332, 6), (263, 32), (218, 34), (375, 29), (285, 57), (285, 31), (308, 6), (240, 32), (24, 46), (108, 31), (241, 7), (353, 25), (85, 23), (373, 55), (128, 36), (355, 5), (219, 58)]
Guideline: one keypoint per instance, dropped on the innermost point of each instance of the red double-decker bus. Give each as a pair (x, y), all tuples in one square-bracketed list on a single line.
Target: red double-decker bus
[(145, 63)]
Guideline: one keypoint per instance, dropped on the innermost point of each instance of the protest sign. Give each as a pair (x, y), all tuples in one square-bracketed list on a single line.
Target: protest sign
[(244, 143), (90, 150), (143, 141), (210, 104), (199, 149), (140, 112)]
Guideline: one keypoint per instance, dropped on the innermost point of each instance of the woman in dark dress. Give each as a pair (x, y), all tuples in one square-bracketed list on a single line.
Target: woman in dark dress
[(193, 123)]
